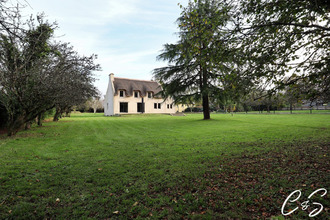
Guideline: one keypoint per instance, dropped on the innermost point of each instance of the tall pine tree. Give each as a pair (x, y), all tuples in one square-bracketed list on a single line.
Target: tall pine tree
[(199, 58)]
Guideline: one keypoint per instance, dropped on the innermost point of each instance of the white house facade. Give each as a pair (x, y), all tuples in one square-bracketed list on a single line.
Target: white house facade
[(132, 96)]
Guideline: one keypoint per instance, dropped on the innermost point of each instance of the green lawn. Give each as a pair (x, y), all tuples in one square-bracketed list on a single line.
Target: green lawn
[(297, 111), (159, 166)]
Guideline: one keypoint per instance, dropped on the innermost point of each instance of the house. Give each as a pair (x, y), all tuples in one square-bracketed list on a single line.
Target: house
[(133, 96)]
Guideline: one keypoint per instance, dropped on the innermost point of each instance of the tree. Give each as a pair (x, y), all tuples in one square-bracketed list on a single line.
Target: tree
[(95, 102), (37, 74), (74, 79), (293, 95), (6, 14), (286, 38), (21, 82), (199, 58)]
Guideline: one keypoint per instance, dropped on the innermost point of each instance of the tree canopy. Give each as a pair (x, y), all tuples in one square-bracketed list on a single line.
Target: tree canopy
[(225, 47), (37, 73), (201, 59), (286, 39)]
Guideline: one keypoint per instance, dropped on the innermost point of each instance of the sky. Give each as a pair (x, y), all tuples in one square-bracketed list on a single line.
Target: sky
[(127, 35)]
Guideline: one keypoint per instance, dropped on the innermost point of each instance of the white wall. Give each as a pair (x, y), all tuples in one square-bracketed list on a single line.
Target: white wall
[(108, 102), (112, 103), (148, 103)]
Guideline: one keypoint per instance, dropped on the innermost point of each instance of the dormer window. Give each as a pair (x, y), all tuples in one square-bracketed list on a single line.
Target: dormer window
[(136, 94), (149, 95), (121, 93)]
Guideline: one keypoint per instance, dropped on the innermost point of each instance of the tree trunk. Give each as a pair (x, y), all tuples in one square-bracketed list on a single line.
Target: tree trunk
[(40, 119), (15, 125), (204, 88), (206, 107), (291, 108), (28, 125), (68, 113), (57, 114)]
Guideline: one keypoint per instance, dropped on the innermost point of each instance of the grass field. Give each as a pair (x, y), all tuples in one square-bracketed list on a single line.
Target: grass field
[(159, 166), (314, 111)]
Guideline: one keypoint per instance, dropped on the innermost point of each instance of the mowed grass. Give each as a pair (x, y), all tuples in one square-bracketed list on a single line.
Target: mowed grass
[(159, 166)]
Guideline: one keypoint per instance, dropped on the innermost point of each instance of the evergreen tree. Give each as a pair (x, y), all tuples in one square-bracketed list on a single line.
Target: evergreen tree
[(200, 57)]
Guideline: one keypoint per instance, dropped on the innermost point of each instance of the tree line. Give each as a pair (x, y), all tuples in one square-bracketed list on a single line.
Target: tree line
[(228, 49), (37, 73)]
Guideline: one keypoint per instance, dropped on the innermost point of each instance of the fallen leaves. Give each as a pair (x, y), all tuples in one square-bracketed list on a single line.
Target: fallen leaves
[(254, 185)]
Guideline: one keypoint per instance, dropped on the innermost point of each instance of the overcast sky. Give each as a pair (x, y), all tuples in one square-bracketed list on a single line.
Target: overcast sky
[(127, 35)]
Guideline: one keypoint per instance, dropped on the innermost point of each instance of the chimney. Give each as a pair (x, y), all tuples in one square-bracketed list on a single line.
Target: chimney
[(111, 75)]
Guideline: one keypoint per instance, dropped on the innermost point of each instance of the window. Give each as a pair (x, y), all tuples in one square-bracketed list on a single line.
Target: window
[(124, 107), (121, 93), (136, 94), (168, 106), (155, 105), (171, 106), (149, 95), (159, 106)]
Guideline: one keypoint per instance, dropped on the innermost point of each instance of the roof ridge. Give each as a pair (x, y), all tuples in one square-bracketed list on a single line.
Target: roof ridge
[(134, 79)]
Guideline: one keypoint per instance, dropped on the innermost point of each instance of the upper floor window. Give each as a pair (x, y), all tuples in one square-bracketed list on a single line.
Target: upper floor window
[(149, 95), (121, 93), (136, 94)]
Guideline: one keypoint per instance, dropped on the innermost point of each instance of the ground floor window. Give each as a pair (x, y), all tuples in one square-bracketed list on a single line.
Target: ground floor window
[(159, 106), (155, 105), (124, 107)]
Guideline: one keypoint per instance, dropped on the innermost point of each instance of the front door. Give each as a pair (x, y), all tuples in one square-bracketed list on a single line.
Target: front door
[(140, 107)]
